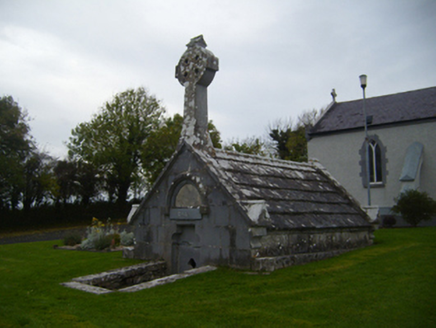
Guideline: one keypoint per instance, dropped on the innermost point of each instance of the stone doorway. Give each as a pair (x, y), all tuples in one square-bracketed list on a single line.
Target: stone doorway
[(185, 252)]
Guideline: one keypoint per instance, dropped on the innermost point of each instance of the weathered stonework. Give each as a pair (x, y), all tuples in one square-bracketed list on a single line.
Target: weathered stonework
[(212, 207), (247, 210), (279, 249), (195, 71), (127, 276), (167, 279), (130, 277)]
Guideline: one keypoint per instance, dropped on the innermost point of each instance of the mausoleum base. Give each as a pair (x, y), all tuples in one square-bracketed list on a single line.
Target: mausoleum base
[(279, 262)]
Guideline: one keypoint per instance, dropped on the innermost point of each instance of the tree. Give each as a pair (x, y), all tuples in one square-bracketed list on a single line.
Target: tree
[(415, 206), (252, 146), (160, 146), (113, 140), (39, 180), (215, 135), (66, 177), (163, 142), (15, 146), (290, 140), (88, 182), (310, 117)]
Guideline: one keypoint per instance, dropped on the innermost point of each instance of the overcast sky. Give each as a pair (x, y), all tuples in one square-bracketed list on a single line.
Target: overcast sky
[(61, 60)]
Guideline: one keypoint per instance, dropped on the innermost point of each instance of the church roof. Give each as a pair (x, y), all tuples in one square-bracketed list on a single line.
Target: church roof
[(296, 195), (411, 106)]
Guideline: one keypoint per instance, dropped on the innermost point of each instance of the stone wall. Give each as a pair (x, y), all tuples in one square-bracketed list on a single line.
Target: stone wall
[(127, 276), (279, 249)]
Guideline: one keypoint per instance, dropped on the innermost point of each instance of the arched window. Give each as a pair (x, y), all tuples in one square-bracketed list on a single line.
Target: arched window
[(377, 162)]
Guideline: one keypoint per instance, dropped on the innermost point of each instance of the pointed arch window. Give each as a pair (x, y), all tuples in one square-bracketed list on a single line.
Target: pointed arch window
[(377, 162)]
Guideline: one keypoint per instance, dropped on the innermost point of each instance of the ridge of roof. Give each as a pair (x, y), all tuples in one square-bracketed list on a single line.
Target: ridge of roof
[(259, 159), (296, 195), (409, 106)]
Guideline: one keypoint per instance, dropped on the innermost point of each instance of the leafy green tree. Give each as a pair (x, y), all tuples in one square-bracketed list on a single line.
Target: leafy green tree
[(160, 146), (113, 140), (39, 180), (252, 146), (163, 142), (88, 182), (290, 140), (415, 206), (15, 145), (215, 135), (77, 181), (66, 177)]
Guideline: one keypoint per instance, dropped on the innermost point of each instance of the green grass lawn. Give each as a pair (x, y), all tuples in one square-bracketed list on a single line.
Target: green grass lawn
[(390, 284)]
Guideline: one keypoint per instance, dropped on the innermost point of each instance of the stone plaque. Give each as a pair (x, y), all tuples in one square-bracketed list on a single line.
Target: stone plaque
[(185, 214)]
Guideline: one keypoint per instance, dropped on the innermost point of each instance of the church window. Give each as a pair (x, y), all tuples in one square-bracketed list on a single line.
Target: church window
[(375, 165), (377, 162)]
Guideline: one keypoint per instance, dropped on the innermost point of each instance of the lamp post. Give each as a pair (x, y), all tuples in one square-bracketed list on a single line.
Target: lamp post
[(363, 79)]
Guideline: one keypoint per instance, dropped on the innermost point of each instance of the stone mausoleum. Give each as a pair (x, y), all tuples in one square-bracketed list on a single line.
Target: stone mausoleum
[(213, 207)]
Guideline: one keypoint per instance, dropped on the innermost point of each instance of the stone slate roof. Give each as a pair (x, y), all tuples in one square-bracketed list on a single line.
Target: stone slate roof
[(402, 107), (297, 195)]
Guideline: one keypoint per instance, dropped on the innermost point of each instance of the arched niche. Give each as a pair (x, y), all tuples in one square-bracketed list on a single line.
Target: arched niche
[(186, 201), (187, 196)]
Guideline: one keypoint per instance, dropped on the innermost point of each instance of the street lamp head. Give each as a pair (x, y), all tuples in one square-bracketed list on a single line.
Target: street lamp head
[(363, 81)]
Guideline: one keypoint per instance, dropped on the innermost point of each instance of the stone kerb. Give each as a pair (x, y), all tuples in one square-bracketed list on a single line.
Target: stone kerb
[(131, 279), (105, 282)]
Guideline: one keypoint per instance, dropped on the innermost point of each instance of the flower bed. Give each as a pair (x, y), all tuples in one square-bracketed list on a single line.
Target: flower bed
[(99, 237)]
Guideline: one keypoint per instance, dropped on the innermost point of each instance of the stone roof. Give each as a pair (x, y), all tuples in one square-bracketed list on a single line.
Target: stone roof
[(411, 106), (295, 195)]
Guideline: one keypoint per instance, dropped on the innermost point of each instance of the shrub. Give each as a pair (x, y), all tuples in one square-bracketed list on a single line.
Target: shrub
[(100, 236), (72, 239), (127, 238), (87, 244), (93, 235), (103, 242), (415, 206), (389, 221), (115, 239)]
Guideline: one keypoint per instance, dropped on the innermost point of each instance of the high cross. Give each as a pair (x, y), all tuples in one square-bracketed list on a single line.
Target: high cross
[(195, 71)]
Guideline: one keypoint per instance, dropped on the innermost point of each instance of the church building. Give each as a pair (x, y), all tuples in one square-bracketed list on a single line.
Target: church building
[(401, 132)]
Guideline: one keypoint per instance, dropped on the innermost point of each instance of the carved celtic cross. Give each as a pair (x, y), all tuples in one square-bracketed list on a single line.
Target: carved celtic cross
[(195, 71)]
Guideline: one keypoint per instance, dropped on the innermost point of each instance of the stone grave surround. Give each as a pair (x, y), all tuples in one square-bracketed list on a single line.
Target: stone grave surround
[(213, 207)]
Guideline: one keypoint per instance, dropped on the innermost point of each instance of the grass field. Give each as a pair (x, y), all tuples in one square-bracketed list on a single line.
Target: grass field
[(390, 284)]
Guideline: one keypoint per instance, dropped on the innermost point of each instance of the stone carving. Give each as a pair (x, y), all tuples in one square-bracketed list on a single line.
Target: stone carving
[(195, 71), (213, 207)]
